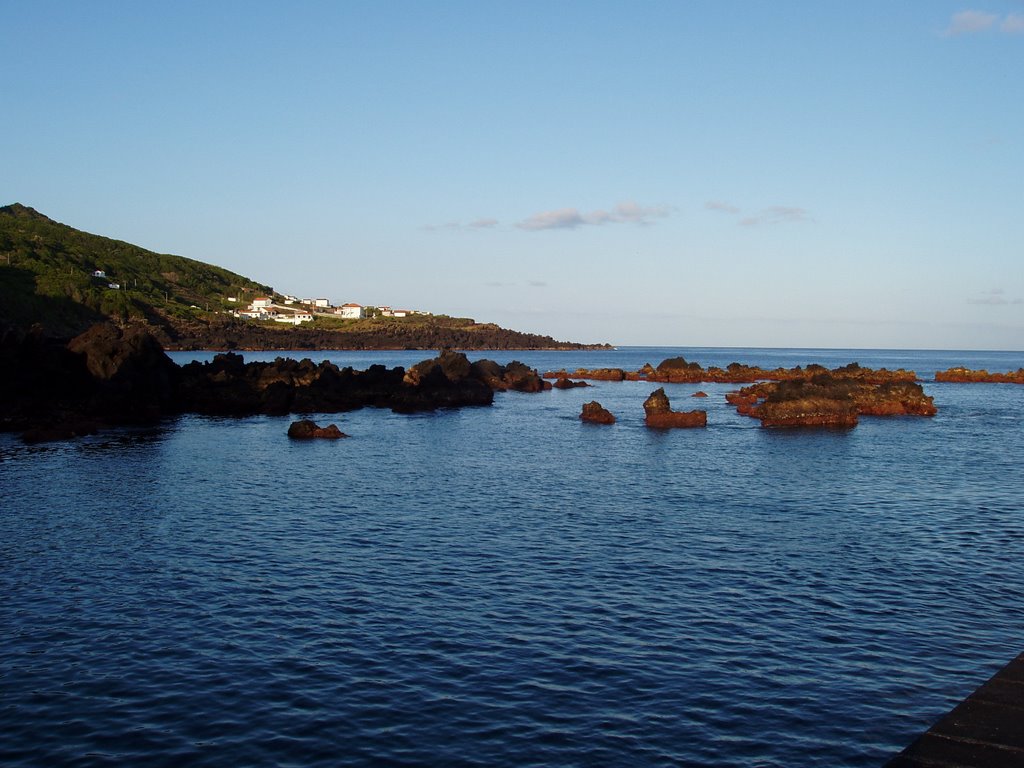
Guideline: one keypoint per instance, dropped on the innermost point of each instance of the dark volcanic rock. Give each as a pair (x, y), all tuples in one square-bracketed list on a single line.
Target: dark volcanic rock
[(595, 413), (658, 413), (566, 383), (308, 430), (824, 400), (961, 375), (135, 380), (107, 376)]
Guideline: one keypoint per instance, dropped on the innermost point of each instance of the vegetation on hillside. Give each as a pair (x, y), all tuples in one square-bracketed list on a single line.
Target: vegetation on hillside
[(49, 276), (58, 262)]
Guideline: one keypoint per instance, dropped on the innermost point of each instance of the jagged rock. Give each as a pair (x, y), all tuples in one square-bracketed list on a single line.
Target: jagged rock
[(658, 413), (699, 394), (135, 378), (594, 374), (566, 383), (824, 400), (595, 413), (308, 430), (961, 375)]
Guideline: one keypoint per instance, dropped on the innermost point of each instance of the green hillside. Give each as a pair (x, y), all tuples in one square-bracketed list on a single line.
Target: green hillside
[(47, 276)]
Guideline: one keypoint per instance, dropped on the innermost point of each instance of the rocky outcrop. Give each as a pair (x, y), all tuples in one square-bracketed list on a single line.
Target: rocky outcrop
[(828, 401), (658, 413), (229, 386), (699, 394), (111, 375), (593, 374), (595, 413), (676, 370), (567, 383), (309, 430), (515, 376), (134, 380), (961, 375), (107, 376)]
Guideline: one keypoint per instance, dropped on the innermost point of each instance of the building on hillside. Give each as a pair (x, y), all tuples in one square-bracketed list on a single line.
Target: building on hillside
[(99, 273), (295, 318), (321, 303), (261, 301), (352, 311)]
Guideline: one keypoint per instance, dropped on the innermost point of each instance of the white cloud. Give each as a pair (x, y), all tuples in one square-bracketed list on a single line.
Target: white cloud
[(563, 218), (458, 225), (778, 214), (994, 298), (721, 207), (970, 22), (1013, 24), (571, 218)]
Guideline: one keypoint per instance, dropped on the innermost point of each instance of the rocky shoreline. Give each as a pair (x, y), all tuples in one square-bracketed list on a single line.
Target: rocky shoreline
[(113, 376)]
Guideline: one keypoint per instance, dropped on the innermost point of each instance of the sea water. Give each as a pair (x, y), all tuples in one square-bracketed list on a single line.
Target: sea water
[(508, 586)]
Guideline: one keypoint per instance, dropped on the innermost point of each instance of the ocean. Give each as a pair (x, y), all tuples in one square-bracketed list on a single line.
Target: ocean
[(508, 586)]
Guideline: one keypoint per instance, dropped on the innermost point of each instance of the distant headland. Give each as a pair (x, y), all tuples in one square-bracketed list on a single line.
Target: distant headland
[(65, 280)]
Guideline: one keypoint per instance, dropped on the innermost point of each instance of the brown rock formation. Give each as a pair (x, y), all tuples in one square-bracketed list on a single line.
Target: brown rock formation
[(658, 413), (308, 430), (828, 401), (960, 375), (595, 413), (566, 383), (677, 370), (594, 374), (699, 394)]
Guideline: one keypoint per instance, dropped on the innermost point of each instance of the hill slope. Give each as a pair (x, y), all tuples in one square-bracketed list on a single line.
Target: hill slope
[(58, 262), (66, 279)]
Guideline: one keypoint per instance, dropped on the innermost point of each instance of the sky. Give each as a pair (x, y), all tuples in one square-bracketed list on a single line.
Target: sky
[(791, 174)]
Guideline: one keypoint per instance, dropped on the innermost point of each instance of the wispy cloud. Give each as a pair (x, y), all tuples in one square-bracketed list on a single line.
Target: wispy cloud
[(721, 207), (778, 214), (1013, 24), (994, 298), (972, 22), (483, 223), (572, 218), (529, 284)]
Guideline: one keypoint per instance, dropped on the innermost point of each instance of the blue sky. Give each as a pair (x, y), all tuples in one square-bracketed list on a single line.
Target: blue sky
[(692, 173)]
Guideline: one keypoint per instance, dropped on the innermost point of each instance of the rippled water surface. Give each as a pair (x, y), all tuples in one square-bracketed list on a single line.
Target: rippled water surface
[(506, 586)]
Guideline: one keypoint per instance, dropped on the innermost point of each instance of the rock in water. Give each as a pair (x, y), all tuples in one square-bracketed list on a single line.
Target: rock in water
[(307, 430), (595, 413), (567, 383), (658, 413)]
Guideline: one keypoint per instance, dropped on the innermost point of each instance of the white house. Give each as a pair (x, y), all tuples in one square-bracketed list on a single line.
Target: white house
[(261, 301), (352, 311), (99, 273), (322, 303), (295, 318), (115, 286)]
